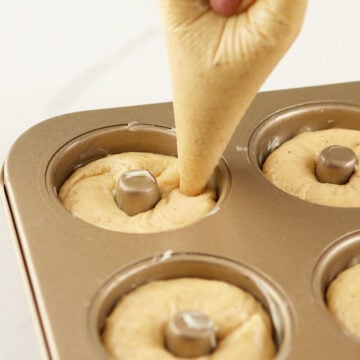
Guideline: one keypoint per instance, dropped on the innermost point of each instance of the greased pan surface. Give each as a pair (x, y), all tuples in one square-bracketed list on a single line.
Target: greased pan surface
[(278, 247)]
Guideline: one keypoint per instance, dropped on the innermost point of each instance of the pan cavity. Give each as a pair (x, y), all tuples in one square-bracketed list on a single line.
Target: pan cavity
[(191, 331), (128, 197), (336, 284), (311, 151)]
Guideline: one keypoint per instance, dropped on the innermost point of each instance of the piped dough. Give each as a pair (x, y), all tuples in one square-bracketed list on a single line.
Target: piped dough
[(135, 328), (217, 66), (89, 194), (291, 168), (343, 299)]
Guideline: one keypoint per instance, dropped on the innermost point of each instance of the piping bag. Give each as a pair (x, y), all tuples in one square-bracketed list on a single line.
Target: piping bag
[(217, 65)]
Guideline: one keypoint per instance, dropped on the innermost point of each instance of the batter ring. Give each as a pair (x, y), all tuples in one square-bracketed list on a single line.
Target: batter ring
[(343, 299), (89, 194), (136, 326), (291, 168)]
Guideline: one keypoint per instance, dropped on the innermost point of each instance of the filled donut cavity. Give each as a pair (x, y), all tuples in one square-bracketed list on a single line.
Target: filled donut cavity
[(180, 269), (311, 151), (130, 138), (336, 284)]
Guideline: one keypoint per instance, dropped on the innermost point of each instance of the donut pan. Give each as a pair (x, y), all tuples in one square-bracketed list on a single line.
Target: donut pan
[(283, 250)]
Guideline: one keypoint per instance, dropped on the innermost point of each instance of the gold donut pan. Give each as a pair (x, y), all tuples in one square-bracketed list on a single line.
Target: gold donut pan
[(282, 249)]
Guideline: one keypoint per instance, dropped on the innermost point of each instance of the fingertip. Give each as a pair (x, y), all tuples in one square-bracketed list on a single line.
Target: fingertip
[(225, 7)]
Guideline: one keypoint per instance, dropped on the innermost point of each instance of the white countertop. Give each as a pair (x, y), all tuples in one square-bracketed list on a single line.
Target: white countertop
[(64, 56)]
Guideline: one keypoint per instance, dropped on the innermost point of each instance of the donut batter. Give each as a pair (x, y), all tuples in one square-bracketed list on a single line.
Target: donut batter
[(89, 194), (136, 325), (343, 299), (291, 168)]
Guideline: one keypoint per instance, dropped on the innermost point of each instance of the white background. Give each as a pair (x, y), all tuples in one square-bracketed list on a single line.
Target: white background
[(62, 56)]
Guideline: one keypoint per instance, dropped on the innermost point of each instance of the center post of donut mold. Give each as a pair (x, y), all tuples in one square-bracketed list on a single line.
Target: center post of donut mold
[(137, 191), (190, 334), (336, 164)]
